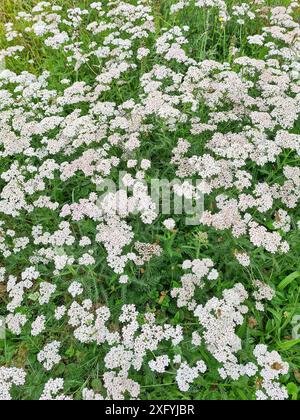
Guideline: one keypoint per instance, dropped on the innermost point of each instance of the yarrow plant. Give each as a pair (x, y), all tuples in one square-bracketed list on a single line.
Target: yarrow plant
[(104, 295)]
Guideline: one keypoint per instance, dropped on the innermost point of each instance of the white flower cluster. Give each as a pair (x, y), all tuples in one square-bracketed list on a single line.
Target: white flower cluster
[(160, 364), (170, 224), (263, 292), (52, 391), (201, 269), (243, 11), (186, 375), (220, 318), (272, 367), (38, 326), (49, 356), (243, 258), (128, 347)]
